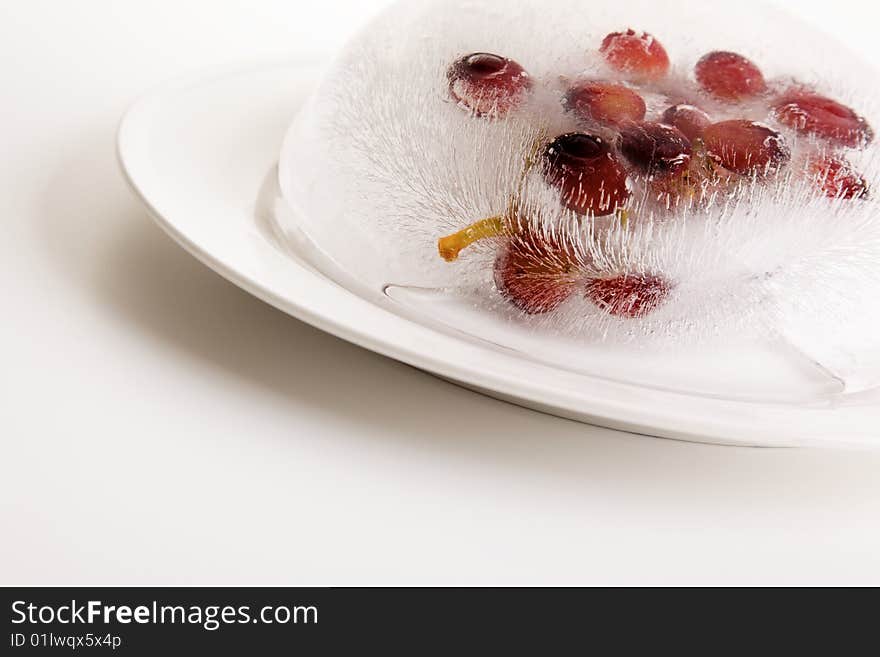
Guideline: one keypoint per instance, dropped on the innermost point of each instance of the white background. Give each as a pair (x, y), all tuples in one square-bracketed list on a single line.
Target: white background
[(158, 425)]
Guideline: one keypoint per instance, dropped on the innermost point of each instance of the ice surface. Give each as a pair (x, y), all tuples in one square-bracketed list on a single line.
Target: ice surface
[(383, 163)]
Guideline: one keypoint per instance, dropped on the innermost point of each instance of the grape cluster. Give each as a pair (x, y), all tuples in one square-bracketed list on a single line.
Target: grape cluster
[(681, 155)]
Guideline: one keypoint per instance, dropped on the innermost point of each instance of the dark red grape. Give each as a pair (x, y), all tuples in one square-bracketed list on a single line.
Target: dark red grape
[(655, 148), (746, 147), (836, 178), (629, 295), (691, 120), (605, 102), (534, 274), (488, 85), (586, 172), (811, 113), (639, 56), (729, 76), (692, 185)]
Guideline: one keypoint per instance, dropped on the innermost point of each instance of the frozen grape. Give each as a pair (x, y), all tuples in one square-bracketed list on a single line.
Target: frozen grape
[(533, 274), (586, 172), (811, 113), (837, 179), (697, 182), (655, 148), (746, 147), (605, 102), (691, 120), (729, 76), (488, 85), (639, 56), (629, 295)]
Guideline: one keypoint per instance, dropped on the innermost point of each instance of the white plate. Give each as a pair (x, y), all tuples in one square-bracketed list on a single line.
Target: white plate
[(201, 155)]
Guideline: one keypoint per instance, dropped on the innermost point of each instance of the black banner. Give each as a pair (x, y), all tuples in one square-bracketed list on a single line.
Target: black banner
[(319, 621)]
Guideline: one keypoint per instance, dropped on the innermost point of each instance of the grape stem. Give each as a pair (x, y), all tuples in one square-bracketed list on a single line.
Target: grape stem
[(452, 245)]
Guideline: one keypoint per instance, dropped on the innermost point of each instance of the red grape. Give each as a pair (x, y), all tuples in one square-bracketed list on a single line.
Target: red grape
[(488, 85), (655, 148), (697, 182), (811, 113), (534, 274), (745, 147), (605, 102), (586, 172), (629, 295), (836, 178), (691, 120), (729, 76), (640, 56)]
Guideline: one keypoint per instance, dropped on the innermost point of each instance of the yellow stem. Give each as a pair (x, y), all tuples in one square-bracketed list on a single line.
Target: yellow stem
[(452, 245)]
